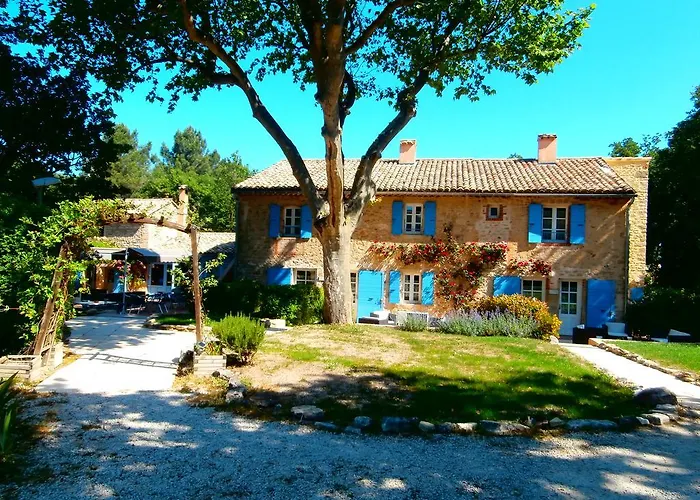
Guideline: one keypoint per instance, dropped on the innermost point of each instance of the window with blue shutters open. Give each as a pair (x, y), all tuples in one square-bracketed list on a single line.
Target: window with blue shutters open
[(411, 288), (557, 224), (290, 221), (413, 218)]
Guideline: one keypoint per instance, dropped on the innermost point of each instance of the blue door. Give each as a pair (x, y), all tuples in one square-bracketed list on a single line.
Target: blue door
[(600, 303), (370, 290)]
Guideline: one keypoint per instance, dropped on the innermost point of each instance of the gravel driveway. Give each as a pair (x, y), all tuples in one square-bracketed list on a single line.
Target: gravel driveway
[(152, 444)]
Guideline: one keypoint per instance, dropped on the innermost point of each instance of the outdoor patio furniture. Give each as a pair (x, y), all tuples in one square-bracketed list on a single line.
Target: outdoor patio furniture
[(616, 330), (582, 333)]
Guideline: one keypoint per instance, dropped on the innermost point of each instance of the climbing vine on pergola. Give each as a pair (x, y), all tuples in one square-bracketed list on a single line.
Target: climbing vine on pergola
[(68, 229)]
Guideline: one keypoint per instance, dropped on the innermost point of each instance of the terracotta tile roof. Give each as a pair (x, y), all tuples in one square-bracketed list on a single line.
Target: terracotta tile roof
[(461, 175)]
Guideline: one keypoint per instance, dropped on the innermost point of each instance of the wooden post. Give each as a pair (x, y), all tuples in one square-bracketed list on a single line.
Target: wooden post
[(50, 306), (196, 289)]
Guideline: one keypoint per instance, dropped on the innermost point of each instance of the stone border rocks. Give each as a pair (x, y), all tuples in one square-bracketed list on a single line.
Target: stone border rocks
[(685, 376)]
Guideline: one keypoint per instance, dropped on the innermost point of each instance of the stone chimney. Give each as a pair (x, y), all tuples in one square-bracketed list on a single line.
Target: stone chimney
[(407, 151), (183, 205), (547, 148)]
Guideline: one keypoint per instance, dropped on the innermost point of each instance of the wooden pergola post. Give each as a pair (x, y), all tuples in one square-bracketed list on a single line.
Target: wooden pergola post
[(50, 306), (196, 288)]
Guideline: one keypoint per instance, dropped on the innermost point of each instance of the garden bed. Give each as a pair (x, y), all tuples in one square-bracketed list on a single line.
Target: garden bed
[(361, 370)]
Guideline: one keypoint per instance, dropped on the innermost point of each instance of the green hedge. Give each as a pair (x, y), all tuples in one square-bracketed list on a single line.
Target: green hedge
[(297, 304), (662, 309)]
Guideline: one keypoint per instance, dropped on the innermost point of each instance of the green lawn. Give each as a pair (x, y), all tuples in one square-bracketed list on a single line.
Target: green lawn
[(359, 370), (679, 356), (175, 319)]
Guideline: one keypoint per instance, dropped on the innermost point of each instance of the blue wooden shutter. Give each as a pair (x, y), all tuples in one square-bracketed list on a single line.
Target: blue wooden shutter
[(578, 225), (428, 288), (600, 302), (306, 222), (534, 213), (275, 212), (506, 285), (430, 213), (394, 287), (397, 217), (636, 294), (279, 276)]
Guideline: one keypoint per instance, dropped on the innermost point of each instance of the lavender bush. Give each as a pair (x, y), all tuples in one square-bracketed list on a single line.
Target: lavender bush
[(489, 324)]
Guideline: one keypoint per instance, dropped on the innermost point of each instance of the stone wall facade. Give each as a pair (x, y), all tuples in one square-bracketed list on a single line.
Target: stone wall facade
[(606, 254)]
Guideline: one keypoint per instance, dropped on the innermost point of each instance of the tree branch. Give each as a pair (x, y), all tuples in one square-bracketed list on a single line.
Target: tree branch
[(239, 78), (380, 21)]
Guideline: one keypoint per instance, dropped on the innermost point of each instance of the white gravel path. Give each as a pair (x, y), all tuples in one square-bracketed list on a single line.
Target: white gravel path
[(151, 444)]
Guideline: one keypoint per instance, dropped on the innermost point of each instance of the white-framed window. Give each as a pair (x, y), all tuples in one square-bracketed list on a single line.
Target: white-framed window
[(411, 288), (413, 218), (305, 276), (292, 221), (533, 288), (493, 212), (554, 224)]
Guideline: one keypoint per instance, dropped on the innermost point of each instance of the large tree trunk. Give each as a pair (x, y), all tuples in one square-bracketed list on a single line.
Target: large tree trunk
[(337, 249)]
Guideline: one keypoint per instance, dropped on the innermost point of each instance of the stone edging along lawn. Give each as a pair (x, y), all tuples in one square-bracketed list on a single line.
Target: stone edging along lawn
[(685, 376), (666, 411)]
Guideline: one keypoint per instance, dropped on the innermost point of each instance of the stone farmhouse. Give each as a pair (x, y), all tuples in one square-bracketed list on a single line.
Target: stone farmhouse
[(158, 248), (584, 217)]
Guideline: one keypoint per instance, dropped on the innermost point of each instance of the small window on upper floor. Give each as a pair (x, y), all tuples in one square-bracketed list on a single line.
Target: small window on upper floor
[(554, 224), (413, 218), (494, 212), (292, 222)]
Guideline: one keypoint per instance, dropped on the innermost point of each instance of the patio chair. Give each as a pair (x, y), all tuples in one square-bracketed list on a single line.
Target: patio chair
[(616, 331)]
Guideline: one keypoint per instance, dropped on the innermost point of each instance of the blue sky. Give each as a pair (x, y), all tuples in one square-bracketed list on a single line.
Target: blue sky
[(633, 75)]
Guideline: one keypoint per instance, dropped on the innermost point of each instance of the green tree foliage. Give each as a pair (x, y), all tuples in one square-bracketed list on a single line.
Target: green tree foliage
[(388, 50), (674, 202), (628, 147), (129, 173), (50, 125), (209, 178)]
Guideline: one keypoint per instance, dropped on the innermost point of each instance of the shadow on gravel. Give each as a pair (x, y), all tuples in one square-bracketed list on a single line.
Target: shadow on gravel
[(154, 445)]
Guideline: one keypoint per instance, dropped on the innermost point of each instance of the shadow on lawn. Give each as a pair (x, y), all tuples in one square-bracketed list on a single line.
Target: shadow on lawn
[(154, 445), (434, 398)]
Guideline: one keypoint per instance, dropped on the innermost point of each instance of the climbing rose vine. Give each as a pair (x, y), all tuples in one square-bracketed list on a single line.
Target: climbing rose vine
[(531, 266), (460, 266)]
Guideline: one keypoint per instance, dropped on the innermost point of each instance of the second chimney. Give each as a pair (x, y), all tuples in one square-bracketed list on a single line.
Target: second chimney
[(547, 148), (407, 151), (183, 205)]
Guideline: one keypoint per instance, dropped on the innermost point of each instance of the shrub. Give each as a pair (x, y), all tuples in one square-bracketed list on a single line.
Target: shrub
[(8, 409), (414, 324), (241, 335), (523, 307), (662, 309), (296, 304), (489, 324)]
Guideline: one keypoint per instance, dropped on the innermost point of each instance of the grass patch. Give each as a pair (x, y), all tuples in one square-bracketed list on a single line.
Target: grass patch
[(175, 319), (362, 370), (205, 391), (671, 355)]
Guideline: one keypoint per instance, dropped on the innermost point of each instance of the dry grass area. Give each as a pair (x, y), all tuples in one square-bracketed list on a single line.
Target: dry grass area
[(204, 391), (353, 370)]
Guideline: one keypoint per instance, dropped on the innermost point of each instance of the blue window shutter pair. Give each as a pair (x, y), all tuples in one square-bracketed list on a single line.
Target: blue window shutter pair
[(429, 218), (397, 217), (428, 288), (275, 215), (534, 223), (279, 276), (577, 235), (506, 285), (394, 287), (306, 222)]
